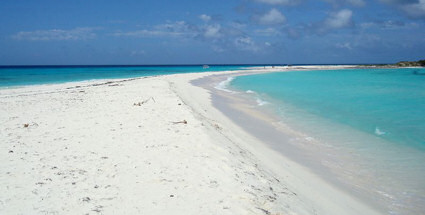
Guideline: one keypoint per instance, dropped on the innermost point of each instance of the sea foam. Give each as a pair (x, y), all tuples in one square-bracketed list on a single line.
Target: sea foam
[(261, 102), (379, 132), (224, 84)]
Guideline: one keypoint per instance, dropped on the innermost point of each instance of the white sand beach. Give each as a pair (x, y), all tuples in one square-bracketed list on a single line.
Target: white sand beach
[(153, 145)]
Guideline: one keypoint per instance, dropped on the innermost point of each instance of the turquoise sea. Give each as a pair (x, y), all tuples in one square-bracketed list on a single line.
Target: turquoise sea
[(30, 75), (369, 125)]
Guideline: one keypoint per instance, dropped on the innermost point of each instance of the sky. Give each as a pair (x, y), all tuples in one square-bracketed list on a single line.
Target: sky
[(106, 32)]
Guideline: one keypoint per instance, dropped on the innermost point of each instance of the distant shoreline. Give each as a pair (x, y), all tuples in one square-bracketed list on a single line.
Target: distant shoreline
[(399, 64)]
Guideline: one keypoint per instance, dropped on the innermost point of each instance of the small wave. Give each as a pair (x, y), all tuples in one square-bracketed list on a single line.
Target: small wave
[(379, 132), (382, 193), (250, 91), (309, 139), (223, 85), (261, 102)]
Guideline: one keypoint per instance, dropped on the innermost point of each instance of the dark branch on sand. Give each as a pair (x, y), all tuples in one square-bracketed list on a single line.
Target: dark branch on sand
[(182, 122), (144, 102)]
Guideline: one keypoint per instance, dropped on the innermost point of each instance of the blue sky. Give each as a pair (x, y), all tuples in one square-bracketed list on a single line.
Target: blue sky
[(210, 32)]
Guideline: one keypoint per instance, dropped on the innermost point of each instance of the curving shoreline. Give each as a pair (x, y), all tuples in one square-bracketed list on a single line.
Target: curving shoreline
[(93, 149)]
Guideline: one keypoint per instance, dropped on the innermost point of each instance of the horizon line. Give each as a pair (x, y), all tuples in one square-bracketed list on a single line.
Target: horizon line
[(142, 65)]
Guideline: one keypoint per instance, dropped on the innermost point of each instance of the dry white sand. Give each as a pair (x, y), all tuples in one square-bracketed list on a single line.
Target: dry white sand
[(94, 149)]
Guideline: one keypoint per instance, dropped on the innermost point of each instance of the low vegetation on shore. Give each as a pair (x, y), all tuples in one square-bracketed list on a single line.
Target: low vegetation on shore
[(419, 63), (411, 63)]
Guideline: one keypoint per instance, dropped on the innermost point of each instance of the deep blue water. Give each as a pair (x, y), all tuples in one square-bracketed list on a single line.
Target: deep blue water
[(30, 75), (371, 123)]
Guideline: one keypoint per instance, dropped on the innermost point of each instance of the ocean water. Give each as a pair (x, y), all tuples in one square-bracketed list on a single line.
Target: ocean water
[(31, 75), (366, 126)]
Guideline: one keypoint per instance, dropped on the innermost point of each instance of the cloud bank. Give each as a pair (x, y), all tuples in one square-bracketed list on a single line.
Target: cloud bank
[(357, 3), (56, 34), (273, 17), (412, 8), (280, 2)]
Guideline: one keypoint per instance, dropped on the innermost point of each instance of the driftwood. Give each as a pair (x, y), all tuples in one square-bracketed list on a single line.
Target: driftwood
[(182, 122), (145, 101), (27, 125)]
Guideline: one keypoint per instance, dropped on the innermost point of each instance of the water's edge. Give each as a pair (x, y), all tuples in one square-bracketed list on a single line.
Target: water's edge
[(265, 126)]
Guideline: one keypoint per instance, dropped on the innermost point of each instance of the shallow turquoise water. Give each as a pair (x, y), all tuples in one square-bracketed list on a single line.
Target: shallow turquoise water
[(389, 103), (30, 75), (371, 122)]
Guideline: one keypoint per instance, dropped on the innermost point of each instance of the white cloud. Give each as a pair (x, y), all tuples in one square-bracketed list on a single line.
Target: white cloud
[(415, 10), (357, 3), (388, 25), (238, 25), (334, 21), (212, 31), (273, 17), (280, 2), (147, 33), (205, 17), (400, 1), (218, 49), (246, 43), (176, 29), (346, 45), (219, 37), (412, 8), (267, 32), (340, 19), (295, 32), (56, 34)]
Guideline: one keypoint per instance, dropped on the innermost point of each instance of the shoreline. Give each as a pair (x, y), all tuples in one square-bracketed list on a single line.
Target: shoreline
[(261, 122), (241, 119), (91, 149)]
